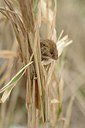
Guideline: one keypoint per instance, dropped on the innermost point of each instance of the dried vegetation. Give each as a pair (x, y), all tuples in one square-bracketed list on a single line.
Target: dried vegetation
[(42, 84)]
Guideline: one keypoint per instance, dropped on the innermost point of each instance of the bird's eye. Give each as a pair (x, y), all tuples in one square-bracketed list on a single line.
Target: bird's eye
[(51, 53)]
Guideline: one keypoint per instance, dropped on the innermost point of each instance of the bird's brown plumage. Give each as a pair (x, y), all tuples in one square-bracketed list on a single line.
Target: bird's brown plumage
[(48, 50)]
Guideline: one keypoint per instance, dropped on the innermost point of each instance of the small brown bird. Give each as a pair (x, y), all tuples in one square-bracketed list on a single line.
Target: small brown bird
[(49, 50)]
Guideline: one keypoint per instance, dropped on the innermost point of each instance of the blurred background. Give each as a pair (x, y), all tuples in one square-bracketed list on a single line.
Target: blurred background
[(70, 18)]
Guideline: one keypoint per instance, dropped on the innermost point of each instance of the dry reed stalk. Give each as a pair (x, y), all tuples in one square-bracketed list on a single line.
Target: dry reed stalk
[(7, 54)]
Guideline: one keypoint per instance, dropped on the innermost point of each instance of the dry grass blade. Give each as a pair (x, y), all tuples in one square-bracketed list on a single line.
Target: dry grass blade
[(62, 43), (8, 87), (33, 106), (69, 112), (16, 77), (6, 94), (8, 3), (17, 25), (7, 54)]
